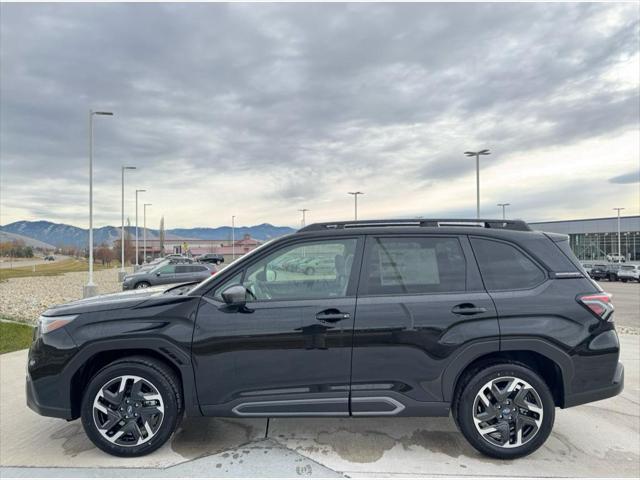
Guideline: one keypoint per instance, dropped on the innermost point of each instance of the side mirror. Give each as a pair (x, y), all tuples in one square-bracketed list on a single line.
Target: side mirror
[(158, 274), (235, 295)]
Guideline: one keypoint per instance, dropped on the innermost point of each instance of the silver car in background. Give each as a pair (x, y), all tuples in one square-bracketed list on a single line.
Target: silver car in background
[(167, 272)]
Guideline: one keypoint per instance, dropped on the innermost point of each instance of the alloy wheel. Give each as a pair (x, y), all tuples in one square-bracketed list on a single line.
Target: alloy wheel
[(128, 410), (507, 412)]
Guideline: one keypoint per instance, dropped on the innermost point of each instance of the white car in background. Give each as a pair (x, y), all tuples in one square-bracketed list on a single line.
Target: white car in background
[(629, 272)]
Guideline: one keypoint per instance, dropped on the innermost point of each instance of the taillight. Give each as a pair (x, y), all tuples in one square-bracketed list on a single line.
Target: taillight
[(599, 303)]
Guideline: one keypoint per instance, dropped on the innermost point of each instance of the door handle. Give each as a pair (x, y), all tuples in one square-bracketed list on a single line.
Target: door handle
[(332, 315), (467, 309)]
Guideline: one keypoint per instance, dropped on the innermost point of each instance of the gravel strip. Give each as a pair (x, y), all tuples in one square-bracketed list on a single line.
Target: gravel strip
[(24, 299)]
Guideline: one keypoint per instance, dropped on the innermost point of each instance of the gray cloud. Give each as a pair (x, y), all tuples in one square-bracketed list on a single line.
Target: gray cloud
[(306, 95), (631, 177)]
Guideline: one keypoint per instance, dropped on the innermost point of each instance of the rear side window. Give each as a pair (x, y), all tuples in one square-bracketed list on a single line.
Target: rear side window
[(414, 265), (504, 267)]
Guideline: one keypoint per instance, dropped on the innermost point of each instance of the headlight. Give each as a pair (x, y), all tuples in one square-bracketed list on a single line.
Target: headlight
[(49, 324)]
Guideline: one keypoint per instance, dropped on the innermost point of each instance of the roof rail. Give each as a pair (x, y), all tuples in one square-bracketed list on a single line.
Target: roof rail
[(520, 225)]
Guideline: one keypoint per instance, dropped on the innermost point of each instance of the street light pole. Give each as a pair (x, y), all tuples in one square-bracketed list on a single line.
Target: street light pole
[(355, 198), (618, 209), (122, 272), (233, 237), (89, 289), (137, 264), (503, 212), (144, 232), (304, 210), (477, 155)]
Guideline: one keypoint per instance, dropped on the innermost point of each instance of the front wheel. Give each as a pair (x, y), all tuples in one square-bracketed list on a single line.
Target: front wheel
[(131, 407), (142, 285), (505, 411)]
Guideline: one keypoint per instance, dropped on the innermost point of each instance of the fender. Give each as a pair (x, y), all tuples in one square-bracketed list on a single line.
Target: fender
[(476, 350), (171, 352)]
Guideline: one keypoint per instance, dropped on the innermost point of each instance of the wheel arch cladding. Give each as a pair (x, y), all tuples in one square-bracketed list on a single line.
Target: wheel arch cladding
[(544, 366), (101, 359)]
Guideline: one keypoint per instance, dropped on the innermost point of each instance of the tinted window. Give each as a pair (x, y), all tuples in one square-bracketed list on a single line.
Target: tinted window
[(183, 269), (414, 265), (166, 269), (304, 271), (235, 280), (504, 267)]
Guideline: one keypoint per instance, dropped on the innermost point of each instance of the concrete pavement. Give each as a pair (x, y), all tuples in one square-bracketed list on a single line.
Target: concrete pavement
[(599, 439)]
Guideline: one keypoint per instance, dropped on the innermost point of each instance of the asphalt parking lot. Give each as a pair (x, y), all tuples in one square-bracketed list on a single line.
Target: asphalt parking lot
[(626, 299)]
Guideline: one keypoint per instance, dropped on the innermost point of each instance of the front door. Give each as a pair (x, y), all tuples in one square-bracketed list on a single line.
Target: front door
[(289, 351)]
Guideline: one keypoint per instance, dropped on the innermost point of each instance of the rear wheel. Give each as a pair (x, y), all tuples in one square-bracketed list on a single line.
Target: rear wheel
[(505, 411), (131, 407)]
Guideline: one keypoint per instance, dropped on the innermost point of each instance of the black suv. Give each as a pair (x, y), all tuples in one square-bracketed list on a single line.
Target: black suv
[(484, 319)]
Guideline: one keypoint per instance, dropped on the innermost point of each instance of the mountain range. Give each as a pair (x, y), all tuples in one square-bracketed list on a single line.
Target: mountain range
[(60, 234)]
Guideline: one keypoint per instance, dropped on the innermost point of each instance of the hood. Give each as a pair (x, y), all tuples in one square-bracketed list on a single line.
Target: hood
[(111, 301)]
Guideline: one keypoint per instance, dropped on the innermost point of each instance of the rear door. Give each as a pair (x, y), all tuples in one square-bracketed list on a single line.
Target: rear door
[(420, 302)]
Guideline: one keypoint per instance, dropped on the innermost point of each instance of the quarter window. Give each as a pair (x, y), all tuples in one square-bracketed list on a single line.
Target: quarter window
[(504, 267), (413, 265)]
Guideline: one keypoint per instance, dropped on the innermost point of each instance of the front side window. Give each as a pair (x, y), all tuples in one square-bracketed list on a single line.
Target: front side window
[(166, 269), (414, 265), (504, 267), (305, 271)]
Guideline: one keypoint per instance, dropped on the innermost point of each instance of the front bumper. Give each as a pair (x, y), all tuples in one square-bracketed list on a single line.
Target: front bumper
[(35, 403), (606, 391)]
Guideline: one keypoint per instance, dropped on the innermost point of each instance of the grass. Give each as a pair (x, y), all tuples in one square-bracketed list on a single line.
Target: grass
[(14, 336), (48, 269)]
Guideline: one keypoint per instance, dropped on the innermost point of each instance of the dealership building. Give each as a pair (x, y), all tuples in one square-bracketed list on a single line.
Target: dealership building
[(597, 238)]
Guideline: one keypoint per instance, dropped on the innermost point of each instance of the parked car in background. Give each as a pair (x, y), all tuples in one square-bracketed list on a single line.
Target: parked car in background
[(612, 271), (214, 258), (598, 271), (587, 266), (484, 320), (50, 258), (168, 272), (629, 272)]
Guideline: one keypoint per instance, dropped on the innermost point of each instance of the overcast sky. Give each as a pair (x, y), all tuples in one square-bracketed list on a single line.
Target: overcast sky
[(258, 110)]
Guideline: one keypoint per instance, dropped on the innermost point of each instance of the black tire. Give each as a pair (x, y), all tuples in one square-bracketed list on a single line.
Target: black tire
[(309, 271), (150, 370), (142, 285), (623, 280), (464, 409)]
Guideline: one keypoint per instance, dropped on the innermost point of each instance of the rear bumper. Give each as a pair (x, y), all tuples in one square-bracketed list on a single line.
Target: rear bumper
[(607, 391)]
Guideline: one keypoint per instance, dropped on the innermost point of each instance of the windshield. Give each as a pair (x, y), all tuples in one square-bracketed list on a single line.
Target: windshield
[(246, 255)]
